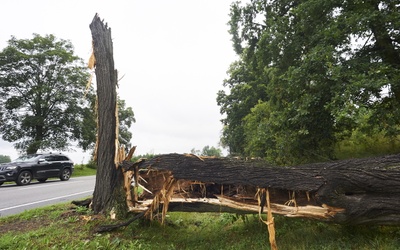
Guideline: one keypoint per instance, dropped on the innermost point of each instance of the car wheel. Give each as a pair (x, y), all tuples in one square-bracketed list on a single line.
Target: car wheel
[(1, 183), (66, 174), (24, 178), (42, 179)]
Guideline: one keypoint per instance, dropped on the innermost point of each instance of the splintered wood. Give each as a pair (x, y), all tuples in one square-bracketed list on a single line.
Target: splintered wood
[(157, 190), (328, 192), (342, 191)]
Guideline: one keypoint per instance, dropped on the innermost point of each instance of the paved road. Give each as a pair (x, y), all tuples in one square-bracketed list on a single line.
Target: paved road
[(16, 199)]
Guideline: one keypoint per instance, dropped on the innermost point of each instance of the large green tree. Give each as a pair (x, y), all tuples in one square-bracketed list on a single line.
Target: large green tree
[(42, 85), (45, 103), (310, 72)]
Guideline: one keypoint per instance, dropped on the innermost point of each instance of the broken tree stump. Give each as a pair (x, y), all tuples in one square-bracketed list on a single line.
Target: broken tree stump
[(356, 191), (108, 189)]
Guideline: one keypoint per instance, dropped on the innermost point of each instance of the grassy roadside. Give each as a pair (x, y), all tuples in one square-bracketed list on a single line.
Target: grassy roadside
[(83, 170), (64, 226)]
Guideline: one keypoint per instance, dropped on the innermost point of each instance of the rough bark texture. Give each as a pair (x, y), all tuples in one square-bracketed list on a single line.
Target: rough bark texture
[(108, 179), (357, 191)]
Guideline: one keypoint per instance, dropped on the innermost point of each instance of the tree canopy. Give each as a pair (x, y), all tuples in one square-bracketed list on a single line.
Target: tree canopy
[(44, 103), (309, 74), (42, 86)]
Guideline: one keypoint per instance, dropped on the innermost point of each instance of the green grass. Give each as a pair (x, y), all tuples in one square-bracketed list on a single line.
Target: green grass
[(65, 227), (83, 170)]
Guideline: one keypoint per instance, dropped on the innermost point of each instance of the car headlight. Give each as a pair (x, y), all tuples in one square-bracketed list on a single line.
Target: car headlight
[(11, 168)]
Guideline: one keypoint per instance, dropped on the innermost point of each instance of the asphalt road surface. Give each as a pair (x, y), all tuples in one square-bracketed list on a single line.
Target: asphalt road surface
[(16, 199)]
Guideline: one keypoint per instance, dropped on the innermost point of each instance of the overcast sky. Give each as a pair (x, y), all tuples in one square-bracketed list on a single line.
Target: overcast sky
[(174, 55)]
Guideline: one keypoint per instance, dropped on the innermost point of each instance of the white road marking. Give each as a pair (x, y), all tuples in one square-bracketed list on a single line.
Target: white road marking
[(42, 186), (53, 183), (36, 202)]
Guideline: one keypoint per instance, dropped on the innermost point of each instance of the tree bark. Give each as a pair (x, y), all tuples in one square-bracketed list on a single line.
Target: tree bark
[(356, 191), (109, 180)]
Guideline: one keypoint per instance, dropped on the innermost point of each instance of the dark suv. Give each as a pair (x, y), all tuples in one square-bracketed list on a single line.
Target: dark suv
[(36, 166)]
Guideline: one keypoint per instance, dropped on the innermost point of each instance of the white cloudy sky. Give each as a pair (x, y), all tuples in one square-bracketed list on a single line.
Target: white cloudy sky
[(174, 55)]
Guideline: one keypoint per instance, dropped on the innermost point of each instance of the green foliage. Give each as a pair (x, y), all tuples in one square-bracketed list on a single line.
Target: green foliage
[(207, 151), (126, 117), (42, 85), (245, 92), (91, 164), (309, 74), (82, 210), (147, 156), (359, 145), (44, 100), (211, 151), (87, 135), (5, 159)]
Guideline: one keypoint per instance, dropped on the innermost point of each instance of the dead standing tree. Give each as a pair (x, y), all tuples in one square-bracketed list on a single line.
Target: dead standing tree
[(109, 180)]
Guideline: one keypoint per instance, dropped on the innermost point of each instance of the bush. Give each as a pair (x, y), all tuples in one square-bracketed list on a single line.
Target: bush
[(91, 164)]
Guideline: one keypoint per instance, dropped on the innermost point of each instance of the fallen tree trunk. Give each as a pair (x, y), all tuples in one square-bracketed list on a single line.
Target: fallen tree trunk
[(357, 191)]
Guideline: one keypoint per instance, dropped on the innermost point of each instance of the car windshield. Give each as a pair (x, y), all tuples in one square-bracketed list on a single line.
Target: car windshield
[(26, 158)]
